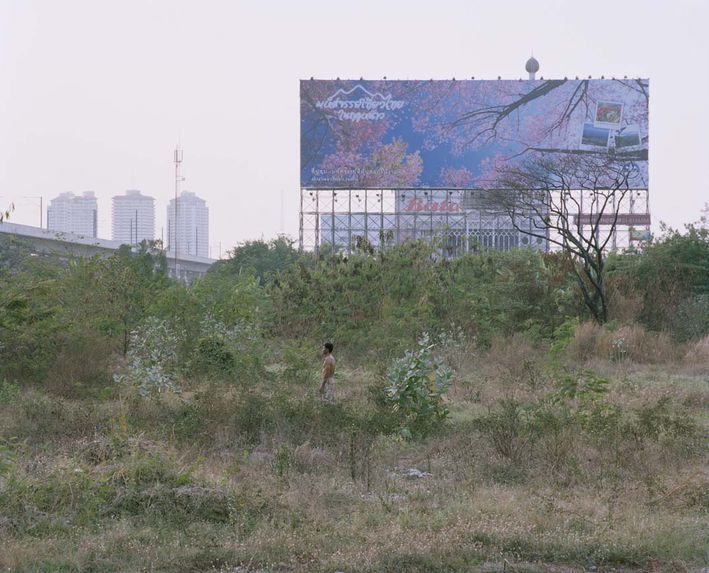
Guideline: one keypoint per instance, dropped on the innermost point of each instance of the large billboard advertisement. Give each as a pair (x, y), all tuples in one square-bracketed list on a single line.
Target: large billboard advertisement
[(449, 134)]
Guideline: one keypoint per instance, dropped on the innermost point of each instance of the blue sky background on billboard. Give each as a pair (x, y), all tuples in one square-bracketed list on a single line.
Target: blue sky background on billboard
[(97, 94)]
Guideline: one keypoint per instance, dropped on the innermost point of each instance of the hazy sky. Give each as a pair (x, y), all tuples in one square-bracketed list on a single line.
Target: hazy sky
[(95, 94)]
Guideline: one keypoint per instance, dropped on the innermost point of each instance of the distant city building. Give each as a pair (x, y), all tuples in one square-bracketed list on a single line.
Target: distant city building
[(133, 218), (77, 214), (190, 236)]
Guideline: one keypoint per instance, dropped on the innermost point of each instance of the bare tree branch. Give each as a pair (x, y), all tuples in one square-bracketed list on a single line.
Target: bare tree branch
[(564, 200)]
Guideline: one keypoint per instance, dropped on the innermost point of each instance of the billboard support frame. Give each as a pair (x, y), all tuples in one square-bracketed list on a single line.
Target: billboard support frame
[(469, 230)]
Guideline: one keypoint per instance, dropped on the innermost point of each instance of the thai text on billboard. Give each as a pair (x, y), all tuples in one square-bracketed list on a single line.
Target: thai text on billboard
[(449, 134)]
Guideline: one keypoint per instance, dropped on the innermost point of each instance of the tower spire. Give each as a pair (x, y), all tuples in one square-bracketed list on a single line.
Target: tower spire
[(532, 67)]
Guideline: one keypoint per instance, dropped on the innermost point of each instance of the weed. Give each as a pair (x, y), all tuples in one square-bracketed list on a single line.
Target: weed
[(415, 389), (508, 429), (9, 391)]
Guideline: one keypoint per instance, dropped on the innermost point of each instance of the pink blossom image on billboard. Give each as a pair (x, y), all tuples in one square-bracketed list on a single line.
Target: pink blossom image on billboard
[(448, 134)]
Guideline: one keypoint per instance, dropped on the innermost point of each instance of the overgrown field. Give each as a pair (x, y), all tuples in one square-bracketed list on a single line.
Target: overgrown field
[(481, 422)]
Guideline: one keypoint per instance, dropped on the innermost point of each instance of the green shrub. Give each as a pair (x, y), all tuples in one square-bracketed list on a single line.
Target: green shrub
[(297, 364), (228, 353), (415, 388), (9, 392), (153, 358), (672, 277), (671, 427), (509, 429), (581, 386)]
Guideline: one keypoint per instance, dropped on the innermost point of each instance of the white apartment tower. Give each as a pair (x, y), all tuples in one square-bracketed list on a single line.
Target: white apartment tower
[(133, 218), (77, 214), (192, 237)]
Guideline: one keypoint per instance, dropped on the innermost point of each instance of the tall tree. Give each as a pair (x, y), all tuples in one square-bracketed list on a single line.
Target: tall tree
[(264, 259), (574, 202)]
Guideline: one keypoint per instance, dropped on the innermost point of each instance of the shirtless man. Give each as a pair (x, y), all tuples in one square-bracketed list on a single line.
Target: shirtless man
[(327, 388)]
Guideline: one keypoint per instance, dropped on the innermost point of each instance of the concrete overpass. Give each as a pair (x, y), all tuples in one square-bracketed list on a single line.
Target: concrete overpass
[(68, 245)]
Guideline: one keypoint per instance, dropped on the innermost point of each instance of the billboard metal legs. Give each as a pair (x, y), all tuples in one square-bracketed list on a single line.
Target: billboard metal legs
[(348, 221)]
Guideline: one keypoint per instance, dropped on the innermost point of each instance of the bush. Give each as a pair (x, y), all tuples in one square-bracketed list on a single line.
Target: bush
[(691, 319), (152, 358), (672, 275), (228, 352), (9, 392), (509, 430), (415, 388), (297, 364), (673, 428), (82, 363), (583, 341)]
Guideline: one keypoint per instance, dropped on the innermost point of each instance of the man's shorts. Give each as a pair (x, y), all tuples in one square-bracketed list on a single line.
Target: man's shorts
[(329, 393)]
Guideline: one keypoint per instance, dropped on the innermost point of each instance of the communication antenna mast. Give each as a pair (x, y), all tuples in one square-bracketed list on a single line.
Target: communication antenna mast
[(178, 180)]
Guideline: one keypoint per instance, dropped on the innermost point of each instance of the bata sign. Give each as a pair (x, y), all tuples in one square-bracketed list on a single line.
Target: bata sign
[(417, 205), (431, 202), (358, 104)]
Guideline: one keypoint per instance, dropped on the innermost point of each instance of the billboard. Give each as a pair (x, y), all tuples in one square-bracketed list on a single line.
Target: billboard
[(449, 134)]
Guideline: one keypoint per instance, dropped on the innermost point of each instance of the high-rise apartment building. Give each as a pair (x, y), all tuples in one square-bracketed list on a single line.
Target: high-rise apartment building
[(133, 218), (77, 214), (190, 234)]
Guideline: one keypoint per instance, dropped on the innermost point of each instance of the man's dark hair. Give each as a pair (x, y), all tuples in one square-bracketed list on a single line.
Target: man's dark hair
[(329, 346)]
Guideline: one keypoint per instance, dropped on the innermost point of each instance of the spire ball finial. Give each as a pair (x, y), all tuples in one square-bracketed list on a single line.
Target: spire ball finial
[(532, 65)]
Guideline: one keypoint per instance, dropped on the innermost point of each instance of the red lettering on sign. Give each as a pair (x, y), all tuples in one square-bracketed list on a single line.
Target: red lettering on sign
[(417, 205)]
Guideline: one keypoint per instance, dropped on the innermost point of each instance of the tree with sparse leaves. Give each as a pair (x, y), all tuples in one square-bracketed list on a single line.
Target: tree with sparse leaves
[(573, 202)]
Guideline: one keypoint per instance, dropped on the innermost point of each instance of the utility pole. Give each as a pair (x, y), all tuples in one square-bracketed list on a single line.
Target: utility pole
[(178, 180)]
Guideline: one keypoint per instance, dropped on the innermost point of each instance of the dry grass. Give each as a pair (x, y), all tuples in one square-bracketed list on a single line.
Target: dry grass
[(624, 307), (627, 343), (696, 360), (190, 484)]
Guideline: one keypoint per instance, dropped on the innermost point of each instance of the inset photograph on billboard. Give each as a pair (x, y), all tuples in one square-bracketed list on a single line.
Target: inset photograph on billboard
[(608, 114), (595, 136), (628, 137)]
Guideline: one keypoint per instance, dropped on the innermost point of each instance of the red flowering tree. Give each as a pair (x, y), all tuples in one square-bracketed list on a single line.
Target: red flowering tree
[(388, 166)]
